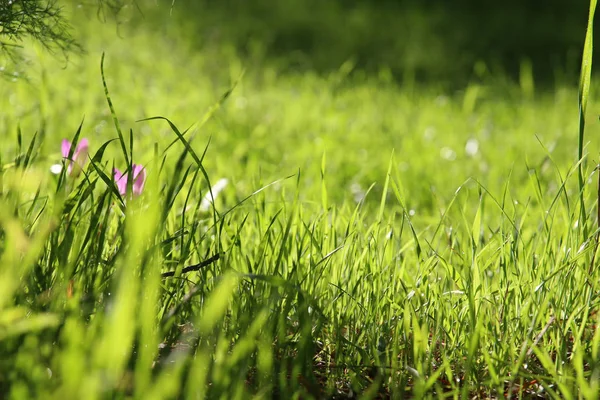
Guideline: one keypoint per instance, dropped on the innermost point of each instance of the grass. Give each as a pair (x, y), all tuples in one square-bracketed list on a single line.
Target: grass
[(375, 239)]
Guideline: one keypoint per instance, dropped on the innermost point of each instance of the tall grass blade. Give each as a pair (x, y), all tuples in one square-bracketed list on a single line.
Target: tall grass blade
[(113, 113), (584, 90)]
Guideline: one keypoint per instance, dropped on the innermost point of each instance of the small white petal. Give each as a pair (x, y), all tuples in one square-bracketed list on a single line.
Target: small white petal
[(56, 169), (357, 192), (216, 189)]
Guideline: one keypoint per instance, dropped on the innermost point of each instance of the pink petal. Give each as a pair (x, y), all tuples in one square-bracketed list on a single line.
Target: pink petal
[(137, 168), (80, 157), (117, 174), (139, 174), (82, 150), (66, 148), (83, 144), (121, 181)]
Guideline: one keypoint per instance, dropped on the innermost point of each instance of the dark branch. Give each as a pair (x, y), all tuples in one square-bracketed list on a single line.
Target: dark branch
[(194, 267)]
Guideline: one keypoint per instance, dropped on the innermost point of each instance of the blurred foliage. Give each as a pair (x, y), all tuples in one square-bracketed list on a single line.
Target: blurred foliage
[(36, 19), (44, 22), (426, 40)]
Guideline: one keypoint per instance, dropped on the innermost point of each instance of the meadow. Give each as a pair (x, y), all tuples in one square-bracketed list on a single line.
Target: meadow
[(368, 238)]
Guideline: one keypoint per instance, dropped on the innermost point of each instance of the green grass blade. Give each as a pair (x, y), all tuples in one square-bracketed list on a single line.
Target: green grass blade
[(113, 113), (584, 90)]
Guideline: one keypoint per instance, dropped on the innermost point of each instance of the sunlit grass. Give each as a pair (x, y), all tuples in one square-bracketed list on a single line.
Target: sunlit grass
[(373, 239)]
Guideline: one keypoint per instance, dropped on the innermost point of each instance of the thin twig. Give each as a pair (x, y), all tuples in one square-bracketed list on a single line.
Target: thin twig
[(539, 336), (194, 267), (188, 296)]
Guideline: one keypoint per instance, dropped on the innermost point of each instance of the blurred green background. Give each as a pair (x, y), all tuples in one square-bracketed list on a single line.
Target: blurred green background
[(350, 80), (449, 42)]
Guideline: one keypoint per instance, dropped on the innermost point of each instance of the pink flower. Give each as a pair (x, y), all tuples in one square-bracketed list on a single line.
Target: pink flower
[(139, 178), (79, 156)]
